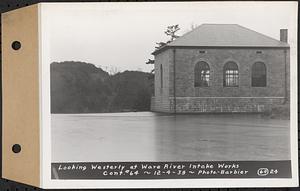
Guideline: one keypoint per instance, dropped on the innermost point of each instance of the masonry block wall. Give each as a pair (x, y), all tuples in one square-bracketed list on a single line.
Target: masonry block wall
[(160, 102), (216, 58), (217, 98)]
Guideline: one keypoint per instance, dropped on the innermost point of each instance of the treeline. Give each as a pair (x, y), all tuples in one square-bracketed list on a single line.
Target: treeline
[(78, 87)]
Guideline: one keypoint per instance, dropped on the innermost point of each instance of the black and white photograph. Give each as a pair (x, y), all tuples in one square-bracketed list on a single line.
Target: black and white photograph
[(182, 90)]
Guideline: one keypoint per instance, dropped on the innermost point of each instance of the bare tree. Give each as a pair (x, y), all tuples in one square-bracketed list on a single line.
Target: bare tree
[(160, 44), (150, 61), (171, 30), (113, 70)]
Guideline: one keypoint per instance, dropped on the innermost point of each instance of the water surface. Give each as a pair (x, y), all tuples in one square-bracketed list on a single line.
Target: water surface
[(147, 136)]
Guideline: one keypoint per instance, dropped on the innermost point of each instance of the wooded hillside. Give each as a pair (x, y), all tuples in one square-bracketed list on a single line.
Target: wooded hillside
[(78, 87)]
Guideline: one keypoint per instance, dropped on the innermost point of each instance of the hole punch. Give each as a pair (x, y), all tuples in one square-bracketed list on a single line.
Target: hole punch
[(16, 45), (16, 148)]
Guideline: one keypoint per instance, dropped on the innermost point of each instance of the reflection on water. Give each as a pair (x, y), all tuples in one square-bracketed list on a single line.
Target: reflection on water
[(147, 136)]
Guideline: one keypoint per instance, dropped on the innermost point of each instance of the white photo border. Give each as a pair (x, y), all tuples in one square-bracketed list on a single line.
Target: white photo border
[(45, 124)]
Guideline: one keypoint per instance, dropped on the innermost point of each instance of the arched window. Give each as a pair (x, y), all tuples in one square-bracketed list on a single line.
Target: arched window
[(259, 75), (161, 76), (231, 75), (201, 74)]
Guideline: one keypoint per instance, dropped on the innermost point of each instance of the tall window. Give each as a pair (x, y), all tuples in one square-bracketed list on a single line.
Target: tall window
[(161, 76), (231, 75), (259, 75), (201, 74)]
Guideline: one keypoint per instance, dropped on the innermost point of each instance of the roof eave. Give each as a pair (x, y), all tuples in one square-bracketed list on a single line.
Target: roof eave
[(156, 52)]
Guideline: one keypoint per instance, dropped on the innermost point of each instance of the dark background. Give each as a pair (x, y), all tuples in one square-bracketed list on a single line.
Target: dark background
[(7, 185)]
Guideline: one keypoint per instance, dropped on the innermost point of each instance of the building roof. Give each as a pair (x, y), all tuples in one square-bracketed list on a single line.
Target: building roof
[(223, 35)]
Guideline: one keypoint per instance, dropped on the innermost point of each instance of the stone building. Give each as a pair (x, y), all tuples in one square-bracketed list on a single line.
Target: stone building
[(221, 68)]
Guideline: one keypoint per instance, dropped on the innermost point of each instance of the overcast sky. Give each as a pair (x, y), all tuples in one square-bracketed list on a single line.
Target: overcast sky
[(123, 35)]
